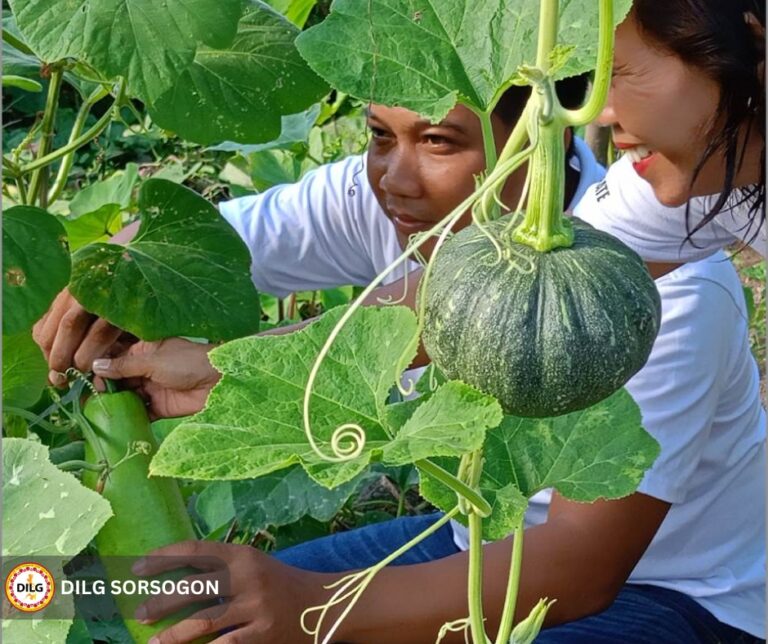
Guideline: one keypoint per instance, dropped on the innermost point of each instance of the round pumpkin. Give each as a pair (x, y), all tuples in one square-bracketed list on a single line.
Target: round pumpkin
[(545, 333)]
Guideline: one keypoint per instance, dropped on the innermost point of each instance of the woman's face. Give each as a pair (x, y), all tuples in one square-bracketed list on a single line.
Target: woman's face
[(661, 112), (420, 171)]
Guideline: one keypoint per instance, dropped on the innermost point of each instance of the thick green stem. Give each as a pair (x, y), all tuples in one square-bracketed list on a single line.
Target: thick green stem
[(549, 18), (77, 129), (481, 507), (544, 226), (513, 587), (602, 82), (475, 586), (38, 182), (94, 131), (70, 466)]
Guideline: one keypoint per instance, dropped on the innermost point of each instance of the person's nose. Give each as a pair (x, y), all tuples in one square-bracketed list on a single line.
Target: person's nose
[(401, 177), (607, 117)]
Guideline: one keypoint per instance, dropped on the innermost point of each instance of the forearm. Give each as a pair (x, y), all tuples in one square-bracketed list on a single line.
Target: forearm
[(409, 604)]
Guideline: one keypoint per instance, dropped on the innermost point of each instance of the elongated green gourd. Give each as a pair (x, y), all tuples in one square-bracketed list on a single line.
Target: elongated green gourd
[(546, 333), (148, 512)]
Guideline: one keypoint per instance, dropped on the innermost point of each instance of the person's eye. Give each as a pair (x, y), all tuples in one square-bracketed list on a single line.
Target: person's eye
[(437, 140), (377, 132)]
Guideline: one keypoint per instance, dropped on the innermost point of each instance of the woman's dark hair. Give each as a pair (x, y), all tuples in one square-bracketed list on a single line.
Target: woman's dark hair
[(718, 37)]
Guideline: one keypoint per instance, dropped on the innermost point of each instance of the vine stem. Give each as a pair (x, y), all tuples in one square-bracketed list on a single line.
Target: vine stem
[(549, 18), (94, 131), (77, 129), (39, 177), (602, 81), (513, 586), (480, 506), (475, 585), (345, 583)]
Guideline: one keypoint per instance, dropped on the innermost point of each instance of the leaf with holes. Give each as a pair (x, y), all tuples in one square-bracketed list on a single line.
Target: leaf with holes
[(36, 265), (185, 273)]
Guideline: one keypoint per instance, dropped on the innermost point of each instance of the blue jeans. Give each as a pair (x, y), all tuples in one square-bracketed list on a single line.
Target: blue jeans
[(639, 615)]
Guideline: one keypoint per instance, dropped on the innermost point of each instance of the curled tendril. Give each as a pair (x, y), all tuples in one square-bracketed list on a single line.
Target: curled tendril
[(432, 377), (405, 390), (456, 626), (76, 374), (389, 300), (348, 441)]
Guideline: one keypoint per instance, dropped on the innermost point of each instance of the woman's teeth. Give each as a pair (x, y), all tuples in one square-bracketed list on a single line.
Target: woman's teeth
[(638, 153)]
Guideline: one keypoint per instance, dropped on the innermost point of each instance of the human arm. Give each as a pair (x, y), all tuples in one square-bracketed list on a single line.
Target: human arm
[(581, 556)]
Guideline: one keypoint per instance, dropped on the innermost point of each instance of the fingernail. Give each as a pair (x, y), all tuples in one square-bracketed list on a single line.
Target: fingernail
[(56, 378), (139, 566), (101, 365), (154, 640), (141, 615)]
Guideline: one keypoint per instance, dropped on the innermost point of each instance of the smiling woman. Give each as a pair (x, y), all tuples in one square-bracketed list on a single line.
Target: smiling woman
[(687, 106)]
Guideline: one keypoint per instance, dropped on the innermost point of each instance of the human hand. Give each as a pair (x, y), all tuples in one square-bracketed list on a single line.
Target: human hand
[(174, 376), (265, 598), (69, 336)]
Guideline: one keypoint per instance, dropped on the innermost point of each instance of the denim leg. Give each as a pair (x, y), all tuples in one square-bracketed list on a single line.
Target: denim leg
[(366, 546), (648, 615)]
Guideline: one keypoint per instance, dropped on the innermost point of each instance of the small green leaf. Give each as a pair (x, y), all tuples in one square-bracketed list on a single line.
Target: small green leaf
[(36, 265), (253, 422), (185, 273), (286, 496), (297, 11), (116, 190), (25, 371), (150, 43), (452, 422), (239, 93), (97, 226)]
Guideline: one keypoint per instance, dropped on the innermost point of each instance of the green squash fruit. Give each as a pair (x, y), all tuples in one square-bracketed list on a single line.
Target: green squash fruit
[(545, 333), (149, 513)]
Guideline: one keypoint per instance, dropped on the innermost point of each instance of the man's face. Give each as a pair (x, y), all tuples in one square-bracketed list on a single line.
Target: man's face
[(421, 171)]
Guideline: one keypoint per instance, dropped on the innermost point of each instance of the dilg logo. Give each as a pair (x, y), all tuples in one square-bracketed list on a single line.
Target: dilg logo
[(29, 587)]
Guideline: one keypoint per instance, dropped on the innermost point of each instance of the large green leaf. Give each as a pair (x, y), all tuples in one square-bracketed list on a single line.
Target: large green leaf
[(62, 515), (36, 265), (25, 371), (46, 512), (148, 42), (240, 93), (185, 273), (252, 424), (597, 453), (426, 55)]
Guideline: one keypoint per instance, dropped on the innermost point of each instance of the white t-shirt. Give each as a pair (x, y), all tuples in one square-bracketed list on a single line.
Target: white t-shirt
[(698, 392), (624, 205)]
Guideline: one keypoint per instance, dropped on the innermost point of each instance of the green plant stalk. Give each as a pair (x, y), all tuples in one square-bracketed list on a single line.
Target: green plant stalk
[(34, 419), (480, 506), (513, 586), (602, 81), (489, 145), (69, 466), (39, 176), (475, 586), (94, 131), (77, 129), (544, 228)]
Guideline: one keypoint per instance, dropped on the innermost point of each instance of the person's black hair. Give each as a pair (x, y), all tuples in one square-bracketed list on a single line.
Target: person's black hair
[(570, 91), (718, 37)]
